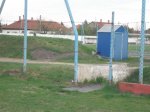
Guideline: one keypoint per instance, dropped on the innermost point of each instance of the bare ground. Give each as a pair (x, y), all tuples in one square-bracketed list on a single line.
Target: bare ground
[(43, 54), (16, 60)]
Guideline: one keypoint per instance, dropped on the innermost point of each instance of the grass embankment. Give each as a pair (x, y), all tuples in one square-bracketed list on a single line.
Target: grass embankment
[(60, 50), (55, 49), (40, 90)]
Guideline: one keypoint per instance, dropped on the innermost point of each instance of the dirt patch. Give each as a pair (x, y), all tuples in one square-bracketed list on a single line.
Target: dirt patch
[(43, 54), (11, 72)]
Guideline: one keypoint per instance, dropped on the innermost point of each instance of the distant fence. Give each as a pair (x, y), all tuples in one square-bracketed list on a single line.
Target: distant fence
[(84, 39), (133, 38)]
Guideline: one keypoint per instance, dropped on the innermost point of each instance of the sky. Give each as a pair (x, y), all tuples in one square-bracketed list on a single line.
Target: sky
[(126, 11)]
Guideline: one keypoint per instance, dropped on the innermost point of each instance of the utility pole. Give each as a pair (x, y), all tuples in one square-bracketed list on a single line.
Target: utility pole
[(40, 24), (1, 9), (96, 25), (2, 5), (25, 36), (111, 50), (142, 47), (75, 42)]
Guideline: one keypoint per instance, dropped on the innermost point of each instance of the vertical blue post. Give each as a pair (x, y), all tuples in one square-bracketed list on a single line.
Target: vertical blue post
[(75, 42), (111, 50), (142, 42), (25, 36), (2, 5)]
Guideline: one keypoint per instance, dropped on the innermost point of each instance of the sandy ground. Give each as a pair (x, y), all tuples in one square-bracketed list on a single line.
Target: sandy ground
[(15, 60)]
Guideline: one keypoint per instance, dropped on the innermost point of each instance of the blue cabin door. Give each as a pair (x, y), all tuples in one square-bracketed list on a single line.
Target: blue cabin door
[(118, 46)]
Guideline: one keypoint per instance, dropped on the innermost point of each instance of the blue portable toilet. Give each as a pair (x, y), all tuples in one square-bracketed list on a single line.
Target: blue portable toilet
[(120, 51)]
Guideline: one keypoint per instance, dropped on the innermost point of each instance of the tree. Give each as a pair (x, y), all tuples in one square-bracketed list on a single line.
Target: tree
[(88, 28)]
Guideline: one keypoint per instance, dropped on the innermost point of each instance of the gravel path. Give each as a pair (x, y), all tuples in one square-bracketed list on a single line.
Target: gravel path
[(16, 60)]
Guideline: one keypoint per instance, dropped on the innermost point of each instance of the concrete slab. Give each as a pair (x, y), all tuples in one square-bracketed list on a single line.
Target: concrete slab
[(84, 89)]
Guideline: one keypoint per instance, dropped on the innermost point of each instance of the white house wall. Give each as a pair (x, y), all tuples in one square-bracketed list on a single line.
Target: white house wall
[(16, 32), (84, 39)]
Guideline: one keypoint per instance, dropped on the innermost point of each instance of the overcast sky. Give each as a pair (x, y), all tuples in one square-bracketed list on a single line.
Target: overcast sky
[(125, 10)]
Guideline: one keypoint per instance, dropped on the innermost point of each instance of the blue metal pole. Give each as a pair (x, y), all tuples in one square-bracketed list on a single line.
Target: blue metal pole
[(111, 49), (25, 36), (142, 42), (2, 5), (75, 42)]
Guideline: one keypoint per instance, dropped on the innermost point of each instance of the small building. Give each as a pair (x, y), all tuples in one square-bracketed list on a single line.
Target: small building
[(36, 26), (120, 49)]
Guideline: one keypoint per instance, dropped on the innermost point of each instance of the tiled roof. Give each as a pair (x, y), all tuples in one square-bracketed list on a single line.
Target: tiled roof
[(34, 25), (101, 24)]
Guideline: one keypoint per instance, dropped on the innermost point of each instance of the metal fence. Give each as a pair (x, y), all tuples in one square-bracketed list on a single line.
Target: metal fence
[(121, 68)]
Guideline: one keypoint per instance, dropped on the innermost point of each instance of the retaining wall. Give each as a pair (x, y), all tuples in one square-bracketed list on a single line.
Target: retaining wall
[(89, 72)]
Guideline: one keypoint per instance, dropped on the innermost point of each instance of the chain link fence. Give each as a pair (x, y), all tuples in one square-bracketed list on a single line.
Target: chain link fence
[(55, 48)]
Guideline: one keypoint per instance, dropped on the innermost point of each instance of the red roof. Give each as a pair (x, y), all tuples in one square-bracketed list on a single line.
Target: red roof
[(101, 24), (34, 25)]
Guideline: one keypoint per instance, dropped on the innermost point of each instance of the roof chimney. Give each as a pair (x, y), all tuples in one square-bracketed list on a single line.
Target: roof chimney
[(31, 18), (108, 21), (23, 17)]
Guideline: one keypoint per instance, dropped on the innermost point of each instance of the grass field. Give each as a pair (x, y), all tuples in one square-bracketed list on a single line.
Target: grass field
[(40, 90), (61, 50), (134, 78), (133, 50), (131, 47)]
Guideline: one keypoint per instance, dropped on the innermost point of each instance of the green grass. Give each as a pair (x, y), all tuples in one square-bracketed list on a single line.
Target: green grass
[(91, 46), (12, 46), (131, 47), (134, 62), (134, 47), (135, 76), (40, 90)]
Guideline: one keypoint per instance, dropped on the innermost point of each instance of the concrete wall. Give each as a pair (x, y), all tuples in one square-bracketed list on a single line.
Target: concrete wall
[(89, 72), (15, 32)]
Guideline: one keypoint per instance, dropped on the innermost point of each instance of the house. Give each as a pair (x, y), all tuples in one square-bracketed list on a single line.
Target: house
[(36, 26), (90, 28), (101, 23), (120, 48)]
